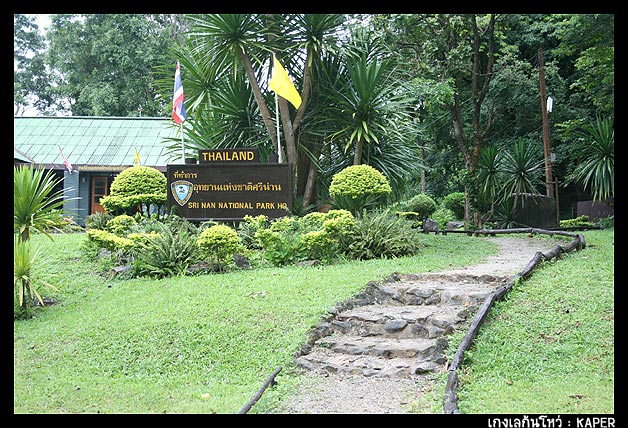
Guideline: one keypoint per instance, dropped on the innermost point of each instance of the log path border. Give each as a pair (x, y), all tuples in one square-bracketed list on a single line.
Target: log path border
[(450, 405)]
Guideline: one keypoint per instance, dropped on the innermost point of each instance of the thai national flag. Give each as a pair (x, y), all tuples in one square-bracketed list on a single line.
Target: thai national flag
[(66, 162), (178, 108)]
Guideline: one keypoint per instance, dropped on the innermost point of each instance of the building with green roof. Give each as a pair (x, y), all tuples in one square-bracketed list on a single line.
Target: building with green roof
[(97, 148)]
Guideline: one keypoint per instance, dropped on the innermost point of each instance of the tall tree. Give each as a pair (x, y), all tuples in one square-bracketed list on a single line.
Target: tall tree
[(105, 63), (588, 41), (458, 50), (31, 86)]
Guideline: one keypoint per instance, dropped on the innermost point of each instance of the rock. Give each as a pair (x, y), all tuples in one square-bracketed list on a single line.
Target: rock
[(430, 225), (452, 225), (241, 261)]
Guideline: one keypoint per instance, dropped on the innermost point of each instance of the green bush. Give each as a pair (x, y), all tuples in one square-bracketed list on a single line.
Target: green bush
[(318, 245), (109, 240), (455, 202), (247, 229), (169, 252), (580, 221), (281, 242), (359, 187), (338, 222), (316, 235), (442, 216), (134, 187), (120, 225), (98, 220), (313, 221), (285, 225), (607, 223), (414, 218), (330, 238), (219, 243), (422, 204), (380, 234), (279, 248)]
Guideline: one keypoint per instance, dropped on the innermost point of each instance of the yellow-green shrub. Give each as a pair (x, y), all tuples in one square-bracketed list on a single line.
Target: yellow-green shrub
[(109, 240), (136, 186), (120, 224), (219, 243), (359, 187)]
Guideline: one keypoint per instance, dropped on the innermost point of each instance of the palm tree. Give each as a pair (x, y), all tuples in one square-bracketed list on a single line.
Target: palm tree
[(371, 101), (222, 48), (521, 167), (365, 113), (487, 180), (36, 205), (25, 278), (597, 169)]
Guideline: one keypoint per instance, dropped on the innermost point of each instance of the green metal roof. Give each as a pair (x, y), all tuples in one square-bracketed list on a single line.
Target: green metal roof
[(106, 141)]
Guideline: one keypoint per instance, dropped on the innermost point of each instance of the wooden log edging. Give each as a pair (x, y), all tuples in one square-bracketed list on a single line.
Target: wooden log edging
[(450, 405), (269, 381)]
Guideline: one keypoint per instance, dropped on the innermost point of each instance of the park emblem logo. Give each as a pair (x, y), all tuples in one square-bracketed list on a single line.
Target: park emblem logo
[(182, 191)]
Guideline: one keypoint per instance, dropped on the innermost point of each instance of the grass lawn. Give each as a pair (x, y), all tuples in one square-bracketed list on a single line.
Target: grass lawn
[(549, 346), (205, 344)]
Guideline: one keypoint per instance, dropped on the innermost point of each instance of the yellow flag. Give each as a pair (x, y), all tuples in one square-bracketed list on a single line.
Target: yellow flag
[(281, 84), (137, 158)]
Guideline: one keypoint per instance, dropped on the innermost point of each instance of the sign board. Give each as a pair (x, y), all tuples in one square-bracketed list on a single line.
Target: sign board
[(228, 192), (228, 155)]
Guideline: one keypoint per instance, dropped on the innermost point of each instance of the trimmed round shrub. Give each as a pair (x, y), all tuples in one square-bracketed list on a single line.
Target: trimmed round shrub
[(219, 243), (135, 186), (313, 221), (359, 187), (423, 205), (139, 180)]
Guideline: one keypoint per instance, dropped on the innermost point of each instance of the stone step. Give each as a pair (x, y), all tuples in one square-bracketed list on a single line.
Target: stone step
[(396, 328), (408, 321), (384, 347), (328, 362), (436, 289)]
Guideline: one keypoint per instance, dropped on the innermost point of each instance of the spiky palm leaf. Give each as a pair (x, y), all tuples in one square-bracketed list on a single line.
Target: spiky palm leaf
[(36, 203), (25, 279), (522, 169), (597, 170)]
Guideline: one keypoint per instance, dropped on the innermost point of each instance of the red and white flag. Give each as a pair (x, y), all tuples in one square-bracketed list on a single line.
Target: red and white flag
[(178, 108), (66, 162)]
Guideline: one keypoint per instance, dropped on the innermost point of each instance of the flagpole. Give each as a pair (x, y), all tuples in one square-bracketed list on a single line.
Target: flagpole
[(182, 145), (277, 121)]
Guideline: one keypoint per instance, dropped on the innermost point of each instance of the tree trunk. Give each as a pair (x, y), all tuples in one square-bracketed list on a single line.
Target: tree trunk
[(310, 185), (357, 156), (263, 108)]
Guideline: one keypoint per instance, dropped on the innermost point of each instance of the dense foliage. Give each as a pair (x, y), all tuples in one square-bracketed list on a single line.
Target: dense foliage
[(420, 97)]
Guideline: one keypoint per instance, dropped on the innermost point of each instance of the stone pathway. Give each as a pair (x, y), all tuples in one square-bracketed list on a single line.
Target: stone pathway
[(372, 354), (397, 328)]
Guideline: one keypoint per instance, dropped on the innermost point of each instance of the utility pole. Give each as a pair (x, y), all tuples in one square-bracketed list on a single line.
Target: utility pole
[(546, 134)]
